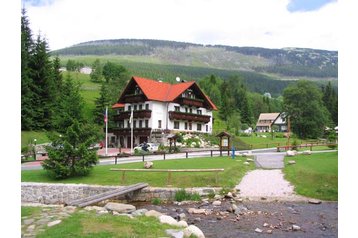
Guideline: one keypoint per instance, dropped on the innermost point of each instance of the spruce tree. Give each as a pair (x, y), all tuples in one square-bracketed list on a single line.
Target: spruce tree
[(101, 102)]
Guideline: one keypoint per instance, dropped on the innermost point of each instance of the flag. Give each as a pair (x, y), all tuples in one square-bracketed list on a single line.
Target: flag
[(131, 118), (106, 115)]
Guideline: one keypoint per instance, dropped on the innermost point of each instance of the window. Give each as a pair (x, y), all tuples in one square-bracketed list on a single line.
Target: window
[(198, 127), (128, 124), (177, 108), (134, 124), (186, 110), (147, 106), (159, 123), (121, 124), (135, 107), (146, 123), (140, 123), (176, 125), (140, 107), (129, 108), (186, 126), (189, 125), (191, 110), (199, 112), (207, 128)]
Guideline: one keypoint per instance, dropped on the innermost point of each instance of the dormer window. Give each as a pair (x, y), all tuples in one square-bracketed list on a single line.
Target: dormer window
[(137, 90)]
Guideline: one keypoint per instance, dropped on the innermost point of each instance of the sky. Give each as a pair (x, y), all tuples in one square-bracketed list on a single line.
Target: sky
[(260, 23)]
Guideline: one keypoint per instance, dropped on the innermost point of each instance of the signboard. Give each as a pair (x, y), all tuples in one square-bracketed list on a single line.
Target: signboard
[(225, 142)]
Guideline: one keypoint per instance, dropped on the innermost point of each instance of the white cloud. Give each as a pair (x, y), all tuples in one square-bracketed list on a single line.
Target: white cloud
[(232, 22)]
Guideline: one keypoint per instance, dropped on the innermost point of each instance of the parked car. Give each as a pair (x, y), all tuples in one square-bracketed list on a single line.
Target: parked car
[(148, 147), (96, 146)]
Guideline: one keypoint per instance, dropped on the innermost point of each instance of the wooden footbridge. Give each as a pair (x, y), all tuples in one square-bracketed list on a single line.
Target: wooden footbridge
[(107, 195)]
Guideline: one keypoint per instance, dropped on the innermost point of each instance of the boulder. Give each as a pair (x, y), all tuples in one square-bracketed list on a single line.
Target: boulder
[(153, 213), (148, 165), (182, 224), (307, 152), (314, 201), (217, 197), (193, 230), (139, 212), (96, 208), (258, 230), (196, 211), (217, 203), (168, 220), (53, 223), (120, 207), (296, 228), (249, 160), (290, 162), (229, 195), (246, 163), (182, 217), (175, 233), (291, 153)]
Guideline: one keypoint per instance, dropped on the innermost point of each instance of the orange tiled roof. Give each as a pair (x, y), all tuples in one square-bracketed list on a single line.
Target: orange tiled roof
[(118, 105), (165, 92)]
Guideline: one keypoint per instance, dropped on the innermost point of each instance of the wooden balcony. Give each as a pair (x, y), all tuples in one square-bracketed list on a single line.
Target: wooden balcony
[(173, 115), (191, 102), (127, 131), (136, 114), (134, 98)]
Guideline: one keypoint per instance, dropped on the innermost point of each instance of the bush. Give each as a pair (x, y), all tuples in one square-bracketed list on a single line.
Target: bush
[(182, 195), (156, 201)]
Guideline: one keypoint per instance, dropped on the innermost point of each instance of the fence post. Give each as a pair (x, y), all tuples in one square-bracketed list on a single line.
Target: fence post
[(211, 153), (143, 158), (221, 152), (115, 161), (164, 155), (186, 154)]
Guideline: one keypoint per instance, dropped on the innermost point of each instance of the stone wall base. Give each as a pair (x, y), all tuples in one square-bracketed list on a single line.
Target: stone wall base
[(49, 193)]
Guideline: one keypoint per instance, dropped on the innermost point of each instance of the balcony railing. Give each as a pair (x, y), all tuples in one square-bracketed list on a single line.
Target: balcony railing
[(136, 114), (173, 115), (191, 102), (127, 131), (134, 98)]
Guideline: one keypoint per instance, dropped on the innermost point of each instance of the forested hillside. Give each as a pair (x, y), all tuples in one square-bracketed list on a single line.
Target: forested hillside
[(290, 62)]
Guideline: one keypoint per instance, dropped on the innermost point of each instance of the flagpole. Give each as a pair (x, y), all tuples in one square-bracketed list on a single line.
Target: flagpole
[(106, 131), (131, 130)]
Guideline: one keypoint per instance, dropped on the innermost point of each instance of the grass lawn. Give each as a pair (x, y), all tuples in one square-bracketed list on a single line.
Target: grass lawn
[(30, 211), (29, 136), (89, 224), (234, 171), (314, 175)]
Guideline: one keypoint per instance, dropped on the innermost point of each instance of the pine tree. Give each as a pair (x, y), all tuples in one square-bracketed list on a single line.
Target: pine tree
[(27, 95), (227, 101), (70, 106), (69, 154), (330, 100), (242, 102), (101, 102), (96, 74)]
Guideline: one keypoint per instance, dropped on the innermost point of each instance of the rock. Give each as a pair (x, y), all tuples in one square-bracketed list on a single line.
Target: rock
[(249, 160), (182, 217), (123, 214), (168, 220), (258, 230), (28, 221), (101, 212), (269, 231), (96, 208), (148, 165), (291, 153), (296, 228), (182, 224), (240, 209), (53, 223), (193, 230), (307, 152), (120, 207), (314, 201), (218, 197), (246, 163), (139, 212), (196, 211), (153, 213), (217, 203), (290, 162), (229, 195), (175, 233), (265, 225)]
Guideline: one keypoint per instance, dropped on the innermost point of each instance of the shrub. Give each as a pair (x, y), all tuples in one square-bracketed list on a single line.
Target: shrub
[(182, 195), (156, 201)]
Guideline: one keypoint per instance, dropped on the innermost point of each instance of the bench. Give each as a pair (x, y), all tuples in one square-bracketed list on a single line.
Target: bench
[(169, 171)]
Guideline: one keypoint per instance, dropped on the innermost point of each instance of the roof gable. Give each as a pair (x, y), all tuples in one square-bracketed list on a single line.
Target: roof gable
[(161, 91)]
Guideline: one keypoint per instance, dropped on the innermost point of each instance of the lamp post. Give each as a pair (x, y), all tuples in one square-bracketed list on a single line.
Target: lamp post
[(35, 149)]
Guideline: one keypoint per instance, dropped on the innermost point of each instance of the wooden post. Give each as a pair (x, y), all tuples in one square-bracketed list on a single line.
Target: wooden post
[(169, 177), (211, 153), (115, 162), (143, 158), (186, 154), (164, 155), (123, 176)]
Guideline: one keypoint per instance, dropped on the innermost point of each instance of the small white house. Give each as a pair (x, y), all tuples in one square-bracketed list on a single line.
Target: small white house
[(267, 120)]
